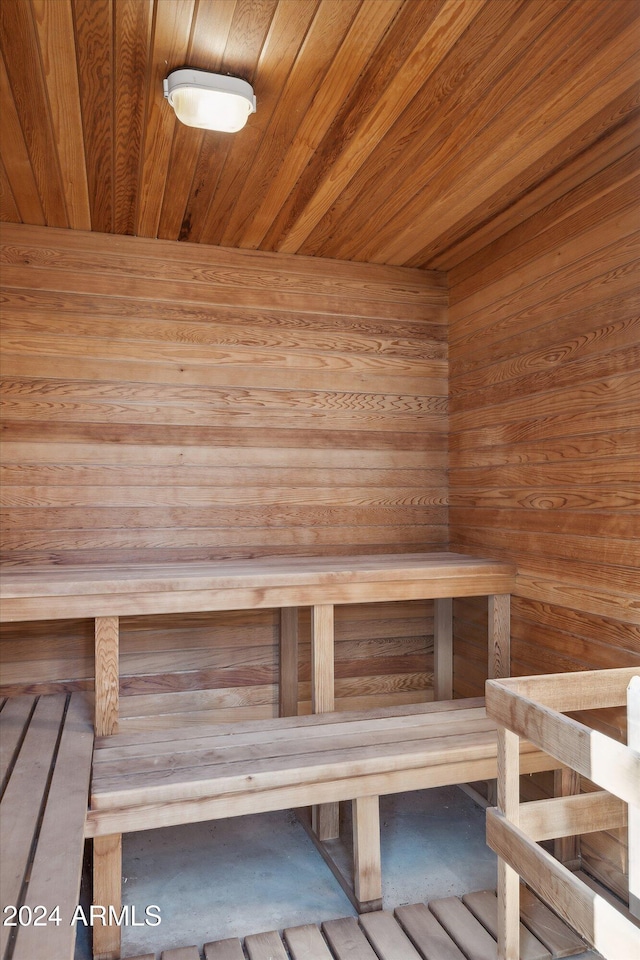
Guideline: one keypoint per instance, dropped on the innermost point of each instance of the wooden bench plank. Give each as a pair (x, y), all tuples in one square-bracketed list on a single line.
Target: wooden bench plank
[(260, 756), (23, 799), (209, 599), (214, 762), (44, 592), (125, 816), (424, 931), (57, 866), (278, 724), (277, 741), (256, 731), (167, 785), (387, 937), (347, 941), (483, 904)]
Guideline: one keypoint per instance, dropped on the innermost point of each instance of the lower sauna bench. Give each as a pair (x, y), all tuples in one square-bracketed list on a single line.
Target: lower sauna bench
[(45, 768), (166, 777)]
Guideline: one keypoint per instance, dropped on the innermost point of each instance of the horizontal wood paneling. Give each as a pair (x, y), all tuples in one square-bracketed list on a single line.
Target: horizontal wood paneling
[(396, 131), (168, 402), (545, 435)]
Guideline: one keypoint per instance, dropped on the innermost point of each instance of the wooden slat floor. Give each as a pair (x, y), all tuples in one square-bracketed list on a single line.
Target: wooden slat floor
[(446, 929)]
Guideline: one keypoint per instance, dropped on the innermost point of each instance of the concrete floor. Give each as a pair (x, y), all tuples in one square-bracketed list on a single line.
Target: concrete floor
[(252, 874)]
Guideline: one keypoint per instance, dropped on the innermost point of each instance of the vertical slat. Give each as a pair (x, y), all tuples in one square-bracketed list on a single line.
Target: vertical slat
[(107, 694), (498, 650), (633, 741), (54, 27), (107, 891), (566, 783), (499, 636), (288, 662), (443, 648), (325, 818), (367, 874), (322, 645), (508, 880)]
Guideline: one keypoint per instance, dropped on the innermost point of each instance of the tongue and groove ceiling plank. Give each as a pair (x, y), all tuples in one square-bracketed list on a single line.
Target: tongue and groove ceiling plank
[(388, 131)]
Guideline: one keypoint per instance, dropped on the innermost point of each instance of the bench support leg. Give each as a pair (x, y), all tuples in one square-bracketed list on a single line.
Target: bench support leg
[(443, 648), (325, 819), (367, 874), (499, 636), (107, 704), (288, 685), (107, 891), (499, 649)]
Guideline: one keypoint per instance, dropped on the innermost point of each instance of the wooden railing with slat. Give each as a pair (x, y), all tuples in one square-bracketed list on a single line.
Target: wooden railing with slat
[(534, 708)]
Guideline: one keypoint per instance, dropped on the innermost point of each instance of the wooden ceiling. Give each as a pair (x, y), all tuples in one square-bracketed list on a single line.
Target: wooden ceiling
[(393, 131)]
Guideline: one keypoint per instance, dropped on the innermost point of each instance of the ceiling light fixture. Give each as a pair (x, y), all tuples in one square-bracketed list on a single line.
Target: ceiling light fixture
[(210, 101)]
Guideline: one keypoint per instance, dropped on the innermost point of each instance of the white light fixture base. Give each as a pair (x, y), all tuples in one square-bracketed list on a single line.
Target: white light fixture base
[(210, 101)]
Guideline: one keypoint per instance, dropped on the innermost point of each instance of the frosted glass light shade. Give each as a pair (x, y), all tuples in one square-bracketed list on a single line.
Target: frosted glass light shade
[(210, 100)]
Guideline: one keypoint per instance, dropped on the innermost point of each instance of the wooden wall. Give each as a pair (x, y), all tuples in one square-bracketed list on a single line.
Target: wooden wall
[(172, 401), (545, 441)]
